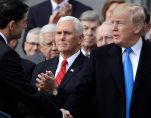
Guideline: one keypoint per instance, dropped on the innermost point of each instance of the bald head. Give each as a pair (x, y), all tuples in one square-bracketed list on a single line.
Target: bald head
[(104, 34)]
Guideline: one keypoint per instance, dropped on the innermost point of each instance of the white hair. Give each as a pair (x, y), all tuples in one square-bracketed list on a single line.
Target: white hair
[(76, 21), (49, 28), (34, 31)]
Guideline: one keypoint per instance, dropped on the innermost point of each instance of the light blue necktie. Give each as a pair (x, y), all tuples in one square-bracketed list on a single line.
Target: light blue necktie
[(128, 76)]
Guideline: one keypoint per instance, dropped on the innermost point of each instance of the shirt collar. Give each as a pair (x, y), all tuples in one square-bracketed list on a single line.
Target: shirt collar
[(70, 60), (136, 47), (4, 38), (84, 52), (54, 4)]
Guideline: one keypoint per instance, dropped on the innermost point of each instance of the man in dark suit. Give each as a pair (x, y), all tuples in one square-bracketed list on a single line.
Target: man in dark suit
[(27, 65), (38, 15), (68, 39), (104, 76), (14, 85)]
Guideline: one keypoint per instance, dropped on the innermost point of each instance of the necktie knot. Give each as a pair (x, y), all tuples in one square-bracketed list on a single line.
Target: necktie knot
[(64, 62), (128, 50), (57, 8)]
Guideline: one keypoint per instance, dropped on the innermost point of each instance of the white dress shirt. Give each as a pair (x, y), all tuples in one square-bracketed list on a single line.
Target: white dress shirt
[(84, 52), (4, 38), (70, 60), (134, 55)]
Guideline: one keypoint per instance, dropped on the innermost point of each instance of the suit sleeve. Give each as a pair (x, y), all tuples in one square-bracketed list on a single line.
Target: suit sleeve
[(14, 81)]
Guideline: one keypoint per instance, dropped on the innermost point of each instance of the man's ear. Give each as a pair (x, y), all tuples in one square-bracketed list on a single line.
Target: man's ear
[(137, 29), (12, 25)]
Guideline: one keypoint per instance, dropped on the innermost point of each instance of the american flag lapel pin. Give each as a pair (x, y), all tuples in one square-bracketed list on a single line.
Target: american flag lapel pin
[(72, 70)]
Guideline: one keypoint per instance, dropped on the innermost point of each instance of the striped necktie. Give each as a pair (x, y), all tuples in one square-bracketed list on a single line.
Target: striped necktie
[(61, 73)]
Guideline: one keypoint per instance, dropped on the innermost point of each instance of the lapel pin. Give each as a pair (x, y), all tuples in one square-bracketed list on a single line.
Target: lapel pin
[(72, 70)]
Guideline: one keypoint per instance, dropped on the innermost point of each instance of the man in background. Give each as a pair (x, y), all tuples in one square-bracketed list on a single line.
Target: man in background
[(104, 34), (31, 45), (47, 45), (90, 21)]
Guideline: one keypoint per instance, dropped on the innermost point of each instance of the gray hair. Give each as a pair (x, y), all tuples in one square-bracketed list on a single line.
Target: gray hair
[(34, 31), (49, 28), (76, 21), (89, 15)]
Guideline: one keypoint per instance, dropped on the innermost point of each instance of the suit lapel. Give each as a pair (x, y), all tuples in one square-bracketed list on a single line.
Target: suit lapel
[(144, 65), (115, 62), (75, 67)]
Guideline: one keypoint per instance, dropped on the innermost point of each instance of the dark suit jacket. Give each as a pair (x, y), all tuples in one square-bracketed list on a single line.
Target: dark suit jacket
[(70, 80), (28, 67), (15, 87), (38, 15), (104, 79)]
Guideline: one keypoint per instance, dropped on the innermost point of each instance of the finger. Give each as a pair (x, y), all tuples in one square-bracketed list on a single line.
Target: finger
[(50, 74), (40, 83), (39, 86), (40, 76)]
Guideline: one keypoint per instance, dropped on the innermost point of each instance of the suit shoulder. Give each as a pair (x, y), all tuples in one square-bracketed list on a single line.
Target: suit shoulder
[(47, 62), (103, 49), (6, 50), (25, 61)]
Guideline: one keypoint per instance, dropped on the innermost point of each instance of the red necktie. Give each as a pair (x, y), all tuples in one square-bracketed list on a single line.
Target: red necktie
[(61, 73)]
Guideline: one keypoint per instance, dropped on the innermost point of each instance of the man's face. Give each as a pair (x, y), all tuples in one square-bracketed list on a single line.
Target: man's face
[(67, 41), (104, 35), (48, 47), (123, 30), (31, 45), (89, 29)]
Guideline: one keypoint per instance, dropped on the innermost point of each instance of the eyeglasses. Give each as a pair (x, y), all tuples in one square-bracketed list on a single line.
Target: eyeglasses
[(33, 43)]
